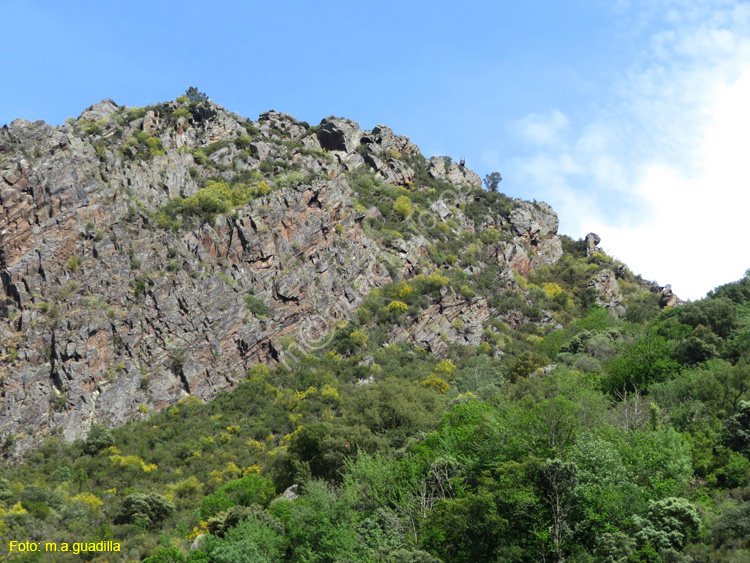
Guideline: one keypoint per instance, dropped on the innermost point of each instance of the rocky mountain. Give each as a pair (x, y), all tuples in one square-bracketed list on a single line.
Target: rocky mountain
[(150, 254)]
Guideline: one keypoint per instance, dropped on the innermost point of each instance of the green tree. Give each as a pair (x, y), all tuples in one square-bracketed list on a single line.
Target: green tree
[(737, 429), (557, 479), (144, 510), (321, 449), (97, 439), (259, 538), (395, 408), (670, 524), (195, 96), (492, 181), (322, 525), (719, 314), (733, 525), (648, 361)]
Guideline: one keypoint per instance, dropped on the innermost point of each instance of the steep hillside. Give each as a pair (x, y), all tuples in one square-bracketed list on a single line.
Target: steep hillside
[(235, 341), (148, 254)]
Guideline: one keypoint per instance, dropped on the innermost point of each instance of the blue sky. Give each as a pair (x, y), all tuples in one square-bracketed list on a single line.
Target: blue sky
[(628, 116)]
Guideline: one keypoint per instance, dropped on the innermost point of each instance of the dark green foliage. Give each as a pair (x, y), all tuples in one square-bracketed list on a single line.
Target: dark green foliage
[(526, 364), (648, 361), (395, 408), (250, 489), (737, 429), (738, 292), (494, 204), (144, 510), (250, 128), (700, 346), (97, 439), (670, 524), (492, 181), (321, 450), (718, 314), (733, 526), (195, 96), (256, 306)]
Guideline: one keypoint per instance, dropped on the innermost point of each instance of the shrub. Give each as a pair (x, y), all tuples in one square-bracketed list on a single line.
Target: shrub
[(434, 382), (526, 364), (397, 307), (242, 142), (144, 510), (98, 439), (145, 146), (256, 306), (200, 157), (216, 197), (250, 489), (403, 207)]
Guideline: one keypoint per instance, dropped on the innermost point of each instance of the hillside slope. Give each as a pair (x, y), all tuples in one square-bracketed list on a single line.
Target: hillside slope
[(149, 254)]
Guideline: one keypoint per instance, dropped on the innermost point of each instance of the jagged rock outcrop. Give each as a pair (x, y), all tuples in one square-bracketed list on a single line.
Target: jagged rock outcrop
[(109, 313), (608, 294), (592, 240), (453, 172), (451, 320), (337, 134)]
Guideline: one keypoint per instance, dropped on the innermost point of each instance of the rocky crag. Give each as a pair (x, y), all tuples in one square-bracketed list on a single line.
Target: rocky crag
[(149, 254)]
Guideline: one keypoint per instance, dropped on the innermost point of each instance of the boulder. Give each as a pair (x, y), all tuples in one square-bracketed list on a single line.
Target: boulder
[(100, 111), (533, 221), (383, 141), (282, 122), (338, 134)]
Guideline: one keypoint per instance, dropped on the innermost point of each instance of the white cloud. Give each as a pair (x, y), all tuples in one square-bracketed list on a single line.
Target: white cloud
[(541, 129), (699, 227), (661, 174)]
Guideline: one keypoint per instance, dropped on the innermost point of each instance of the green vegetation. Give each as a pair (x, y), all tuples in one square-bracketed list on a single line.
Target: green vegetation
[(216, 197), (194, 96), (644, 456), (256, 306), (142, 146), (547, 430)]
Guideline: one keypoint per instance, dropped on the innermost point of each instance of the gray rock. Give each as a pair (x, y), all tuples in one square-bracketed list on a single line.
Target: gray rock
[(282, 122), (592, 240), (383, 141), (396, 172), (453, 172), (150, 122), (100, 111), (608, 292), (337, 134), (668, 298), (198, 542)]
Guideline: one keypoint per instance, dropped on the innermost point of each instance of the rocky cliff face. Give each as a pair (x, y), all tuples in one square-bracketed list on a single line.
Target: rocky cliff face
[(111, 310)]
